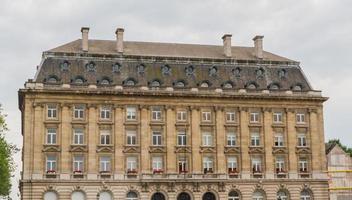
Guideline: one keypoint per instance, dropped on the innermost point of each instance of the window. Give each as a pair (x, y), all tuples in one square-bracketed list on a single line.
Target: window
[(231, 139), (181, 138), (51, 136), (52, 79), (230, 116), (190, 70), (255, 139), (303, 165), (141, 68), (131, 137), (206, 116), (105, 137), (182, 165), (131, 196), (181, 115), (232, 164), (227, 86), (78, 195), (233, 195), (52, 111), (131, 113), (157, 138), (51, 164), (213, 71), (105, 196), (208, 164), (78, 136), (306, 195), (166, 70), (78, 163), (274, 86), (300, 118), (156, 114), (180, 84), (157, 164), (50, 195), (251, 86), (105, 81), (204, 85), (279, 140), (258, 195), (254, 117), (116, 67), (297, 88), (277, 117), (207, 139), (130, 82), (280, 164), (155, 84), (105, 112), (131, 164), (256, 165), (282, 195), (79, 81), (105, 164), (79, 111), (302, 140)]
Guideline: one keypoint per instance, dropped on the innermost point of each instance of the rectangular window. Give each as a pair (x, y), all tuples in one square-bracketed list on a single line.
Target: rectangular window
[(131, 113), (230, 117), (277, 117), (254, 117), (51, 136), (105, 112), (300, 118), (232, 164), (105, 137), (181, 138), (52, 111), (255, 139), (208, 164), (256, 165), (105, 164), (131, 137), (302, 140), (156, 138), (280, 164), (78, 136), (131, 164), (206, 116), (279, 140), (78, 163), (231, 139), (182, 165), (157, 164), (78, 111), (207, 139), (303, 165), (182, 116), (156, 114), (51, 164)]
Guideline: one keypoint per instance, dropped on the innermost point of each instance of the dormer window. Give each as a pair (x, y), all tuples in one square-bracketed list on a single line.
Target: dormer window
[(213, 71), (237, 72), (129, 82), (259, 72), (282, 73), (105, 81), (204, 84), (228, 85), (155, 84), (79, 80), (297, 87), (180, 84), (189, 70), (166, 70), (141, 69), (116, 68), (91, 67), (251, 86), (52, 79), (274, 86), (64, 66)]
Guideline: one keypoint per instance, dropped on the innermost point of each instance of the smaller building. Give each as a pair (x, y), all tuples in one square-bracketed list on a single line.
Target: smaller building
[(340, 172)]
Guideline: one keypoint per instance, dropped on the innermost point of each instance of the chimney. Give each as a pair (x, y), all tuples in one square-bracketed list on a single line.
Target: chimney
[(227, 44), (119, 40), (258, 46), (85, 31)]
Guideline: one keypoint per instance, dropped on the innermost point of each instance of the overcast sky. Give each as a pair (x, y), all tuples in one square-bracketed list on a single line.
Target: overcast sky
[(318, 33)]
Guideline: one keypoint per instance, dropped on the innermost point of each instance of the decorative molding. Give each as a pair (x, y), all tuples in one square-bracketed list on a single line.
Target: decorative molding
[(303, 150), (290, 110), (131, 149), (105, 148), (312, 110), (183, 149), (78, 148), (266, 109), (280, 150), (255, 150), (51, 148), (232, 150), (241, 108), (170, 107), (92, 105), (204, 149), (68, 105), (38, 104), (157, 149)]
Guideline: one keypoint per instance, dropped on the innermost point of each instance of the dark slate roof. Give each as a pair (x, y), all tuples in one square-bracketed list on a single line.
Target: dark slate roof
[(51, 65)]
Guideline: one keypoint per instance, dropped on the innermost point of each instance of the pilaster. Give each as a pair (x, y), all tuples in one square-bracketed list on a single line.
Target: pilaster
[(291, 143), (66, 135), (38, 139), (92, 141), (119, 141), (244, 139), (220, 141), (170, 140), (268, 144), (144, 139), (196, 140)]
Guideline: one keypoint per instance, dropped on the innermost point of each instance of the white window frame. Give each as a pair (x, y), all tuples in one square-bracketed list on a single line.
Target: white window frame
[(157, 163), (157, 138), (181, 138), (78, 163), (300, 118), (78, 136), (51, 164), (78, 111), (182, 161), (254, 117), (131, 113), (51, 136), (279, 140), (302, 140), (208, 163), (257, 164), (206, 116), (131, 163), (230, 117), (255, 139), (231, 139), (303, 165), (280, 163), (181, 115), (105, 113), (207, 139), (156, 114), (105, 164), (131, 137), (52, 111), (105, 137), (277, 117), (232, 163)]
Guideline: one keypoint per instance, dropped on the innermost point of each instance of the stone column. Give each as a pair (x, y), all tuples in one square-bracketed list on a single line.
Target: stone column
[(220, 140), (196, 140), (66, 135), (321, 137), (268, 143), (170, 141), (291, 143), (28, 134), (244, 140), (144, 139), (38, 141), (119, 142), (315, 144), (93, 162)]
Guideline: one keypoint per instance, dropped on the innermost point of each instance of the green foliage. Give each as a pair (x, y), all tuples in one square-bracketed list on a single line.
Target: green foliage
[(7, 165), (343, 147)]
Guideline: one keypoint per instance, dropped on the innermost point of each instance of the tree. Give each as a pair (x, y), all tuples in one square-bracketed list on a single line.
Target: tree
[(343, 147), (7, 165)]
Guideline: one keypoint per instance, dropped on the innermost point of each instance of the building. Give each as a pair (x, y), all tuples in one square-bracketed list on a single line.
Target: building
[(340, 172), (140, 120)]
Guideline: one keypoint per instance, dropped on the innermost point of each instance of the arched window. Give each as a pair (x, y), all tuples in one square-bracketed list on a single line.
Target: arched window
[(282, 195), (274, 86), (258, 195), (228, 85), (204, 84), (180, 84), (105, 196), (213, 71), (79, 80), (141, 68), (183, 196), (233, 195), (116, 67), (158, 196), (306, 195), (52, 79), (251, 86), (155, 84), (50, 195), (297, 87), (129, 82), (282, 73), (209, 196), (237, 72), (105, 81), (131, 196), (78, 195)]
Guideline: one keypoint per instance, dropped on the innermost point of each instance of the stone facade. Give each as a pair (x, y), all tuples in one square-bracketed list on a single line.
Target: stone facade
[(91, 136)]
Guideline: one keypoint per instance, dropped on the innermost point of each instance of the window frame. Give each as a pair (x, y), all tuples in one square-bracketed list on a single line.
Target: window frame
[(277, 117), (131, 138), (52, 111), (105, 137), (51, 137), (254, 117), (79, 112), (131, 113), (79, 135), (105, 164), (105, 113)]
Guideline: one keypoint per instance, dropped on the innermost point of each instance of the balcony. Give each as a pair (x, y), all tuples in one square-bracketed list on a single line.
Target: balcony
[(304, 173), (257, 173), (233, 172), (281, 173), (132, 173), (51, 173), (105, 174), (158, 171), (78, 174)]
